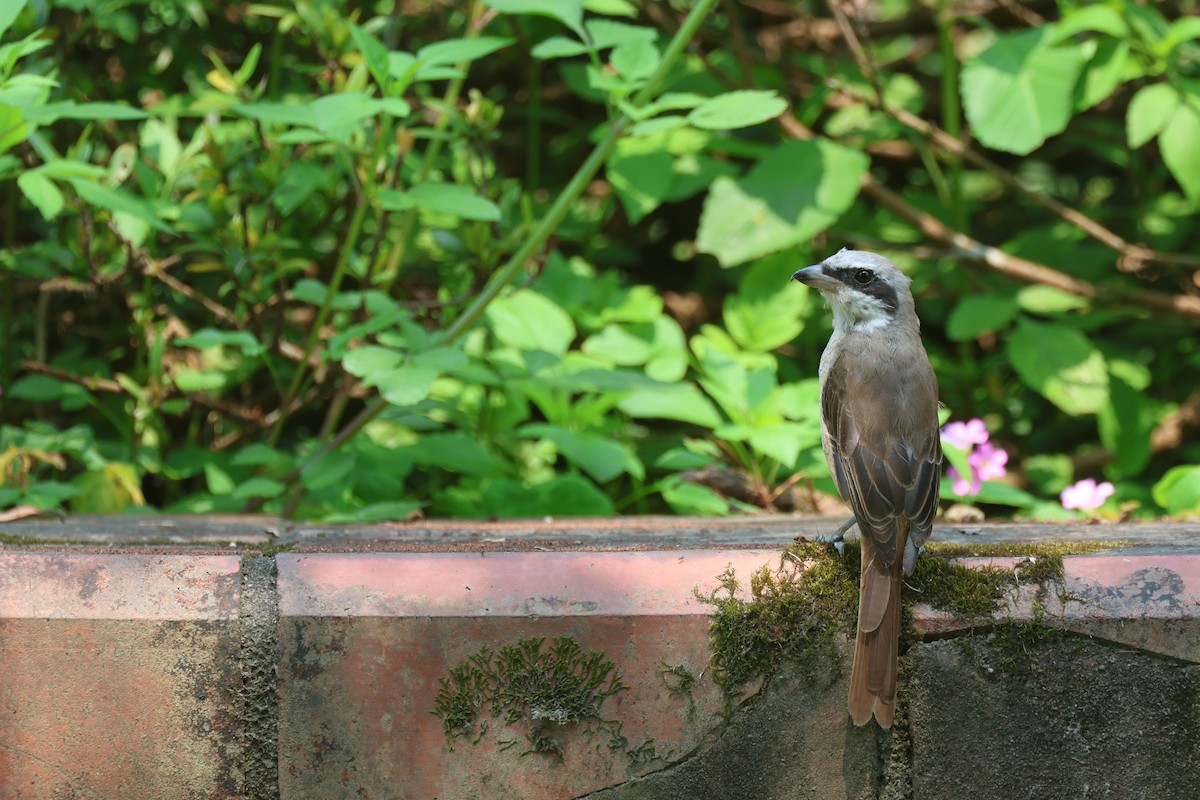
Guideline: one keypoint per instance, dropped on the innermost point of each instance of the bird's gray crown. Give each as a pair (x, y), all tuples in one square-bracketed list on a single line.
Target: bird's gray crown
[(868, 273)]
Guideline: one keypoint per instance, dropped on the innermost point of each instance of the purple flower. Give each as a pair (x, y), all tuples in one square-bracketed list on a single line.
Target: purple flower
[(962, 487), (987, 461), (1086, 495), (965, 434)]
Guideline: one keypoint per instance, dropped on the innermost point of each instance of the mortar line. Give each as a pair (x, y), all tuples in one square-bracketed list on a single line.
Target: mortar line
[(258, 712)]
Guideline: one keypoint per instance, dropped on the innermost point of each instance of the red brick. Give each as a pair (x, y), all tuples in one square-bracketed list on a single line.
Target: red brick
[(118, 676)]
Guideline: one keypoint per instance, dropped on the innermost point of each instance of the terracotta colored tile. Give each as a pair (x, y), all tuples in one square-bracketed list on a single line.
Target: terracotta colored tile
[(358, 682), (93, 705)]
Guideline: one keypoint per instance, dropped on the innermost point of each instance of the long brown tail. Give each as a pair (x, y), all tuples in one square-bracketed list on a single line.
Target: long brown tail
[(876, 648)]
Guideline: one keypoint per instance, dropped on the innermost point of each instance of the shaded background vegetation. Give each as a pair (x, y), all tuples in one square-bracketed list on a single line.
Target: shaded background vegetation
[(360, 261)]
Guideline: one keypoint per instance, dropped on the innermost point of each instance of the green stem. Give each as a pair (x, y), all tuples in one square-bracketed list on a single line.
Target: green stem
[(536, 240)]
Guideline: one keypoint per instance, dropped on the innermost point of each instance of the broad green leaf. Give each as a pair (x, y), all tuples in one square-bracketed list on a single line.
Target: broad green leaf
[(614, 8), (784, 441), (299, 181), (108, 490), (568, 12), (9, 11), (374, 53), (1179, 490), (69, 109), (529, 321), (1099, 18), (601, 458), (691, 498), (681, 401), (1180, 145), (1060, 363), (1041, 299), (768, 310), (13, 127), (42, 192), (635, 59), (369, 360), (793, 193), (213, 337), (118, 201), (36, 388), (1126, 422), (1149, 112), (455, 51), (1017, 93), (280, 113), (386, 511), (659, 346), (457, 452), (563, 496), (1002, 494), (979, 314), (740, 109), (328, 469), (1184, 29), (558, 47), (1107, 69), (340, 115), (442, 198), (607, 33), (641, 180), (258, 454)]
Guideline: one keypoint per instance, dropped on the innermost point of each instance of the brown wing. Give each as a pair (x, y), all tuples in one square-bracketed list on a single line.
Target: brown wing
[(886, 464)]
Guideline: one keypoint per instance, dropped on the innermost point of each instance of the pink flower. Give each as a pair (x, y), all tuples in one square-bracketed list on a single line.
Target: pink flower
[(962, 487), (1086, 495), (987, 461), (964, 434)]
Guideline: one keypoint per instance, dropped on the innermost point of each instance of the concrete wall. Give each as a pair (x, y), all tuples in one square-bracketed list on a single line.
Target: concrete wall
[(160, 669)]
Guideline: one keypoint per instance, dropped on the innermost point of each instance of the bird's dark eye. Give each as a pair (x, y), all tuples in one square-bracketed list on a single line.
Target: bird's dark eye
[(864, 276)]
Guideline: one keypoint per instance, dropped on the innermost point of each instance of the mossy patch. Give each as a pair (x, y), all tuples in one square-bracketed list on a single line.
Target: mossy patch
[(794, 611), (544, 691)]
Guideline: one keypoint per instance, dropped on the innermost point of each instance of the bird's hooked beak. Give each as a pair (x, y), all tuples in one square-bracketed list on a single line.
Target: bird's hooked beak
[(815, 277)]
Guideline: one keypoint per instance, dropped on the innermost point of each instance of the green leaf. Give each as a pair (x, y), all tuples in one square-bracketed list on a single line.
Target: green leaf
[(42, 192), (793, 193), (340, 115), (9, 11), (278, 113), (118, 201), (1106, 70), (213, 337), (635, 60), (1184, 29), (456, 452), (1060, 363), (568, 12), (456, 51), (13, 127), (768, 310), (108, 490), (69, 109), (683, 402), (601, 458), (529, 321), (328, 469), (1126, 422), (369, 359), (691, 498), (563, 496), (740, 109), (640, 180), (1041, 299), (258, 486), (615, 8), (1002, 494), (784, 441), (442, 198), (387, 511), (1018, 92), (1149, 112), (374, 53), (979, 314), (558, 47), (36, 388), (659, 346), (1099, 18), (1180, 145), (1179, 490)]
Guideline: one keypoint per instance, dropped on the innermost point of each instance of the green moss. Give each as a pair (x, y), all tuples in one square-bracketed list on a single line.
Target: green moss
[(679, 679), (793, 613), (540, 690)]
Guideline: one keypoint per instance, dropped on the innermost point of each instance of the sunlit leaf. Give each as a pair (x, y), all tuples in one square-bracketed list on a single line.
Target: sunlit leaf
[(1060, 363)]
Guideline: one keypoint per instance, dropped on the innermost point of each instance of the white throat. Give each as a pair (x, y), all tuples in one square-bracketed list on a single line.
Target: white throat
[(855, 311)]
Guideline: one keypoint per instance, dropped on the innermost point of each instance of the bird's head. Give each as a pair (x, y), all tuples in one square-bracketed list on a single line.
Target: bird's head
[(865, 290)]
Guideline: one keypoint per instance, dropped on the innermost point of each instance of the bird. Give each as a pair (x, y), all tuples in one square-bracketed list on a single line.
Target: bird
[(880, 433)]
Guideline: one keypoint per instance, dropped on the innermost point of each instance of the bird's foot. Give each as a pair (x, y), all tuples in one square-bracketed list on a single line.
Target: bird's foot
[(837, 538)]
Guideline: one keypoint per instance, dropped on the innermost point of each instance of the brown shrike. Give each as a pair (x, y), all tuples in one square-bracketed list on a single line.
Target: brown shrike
[(879, 428)]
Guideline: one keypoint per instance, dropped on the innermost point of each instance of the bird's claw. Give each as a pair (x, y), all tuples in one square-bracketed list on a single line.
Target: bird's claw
[(837, 538)]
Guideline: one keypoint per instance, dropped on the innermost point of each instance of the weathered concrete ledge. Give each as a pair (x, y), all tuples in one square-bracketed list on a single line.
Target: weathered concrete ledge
[(245, 657)]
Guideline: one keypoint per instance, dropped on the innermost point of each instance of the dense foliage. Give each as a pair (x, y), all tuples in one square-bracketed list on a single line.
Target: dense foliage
[(357, 261)]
